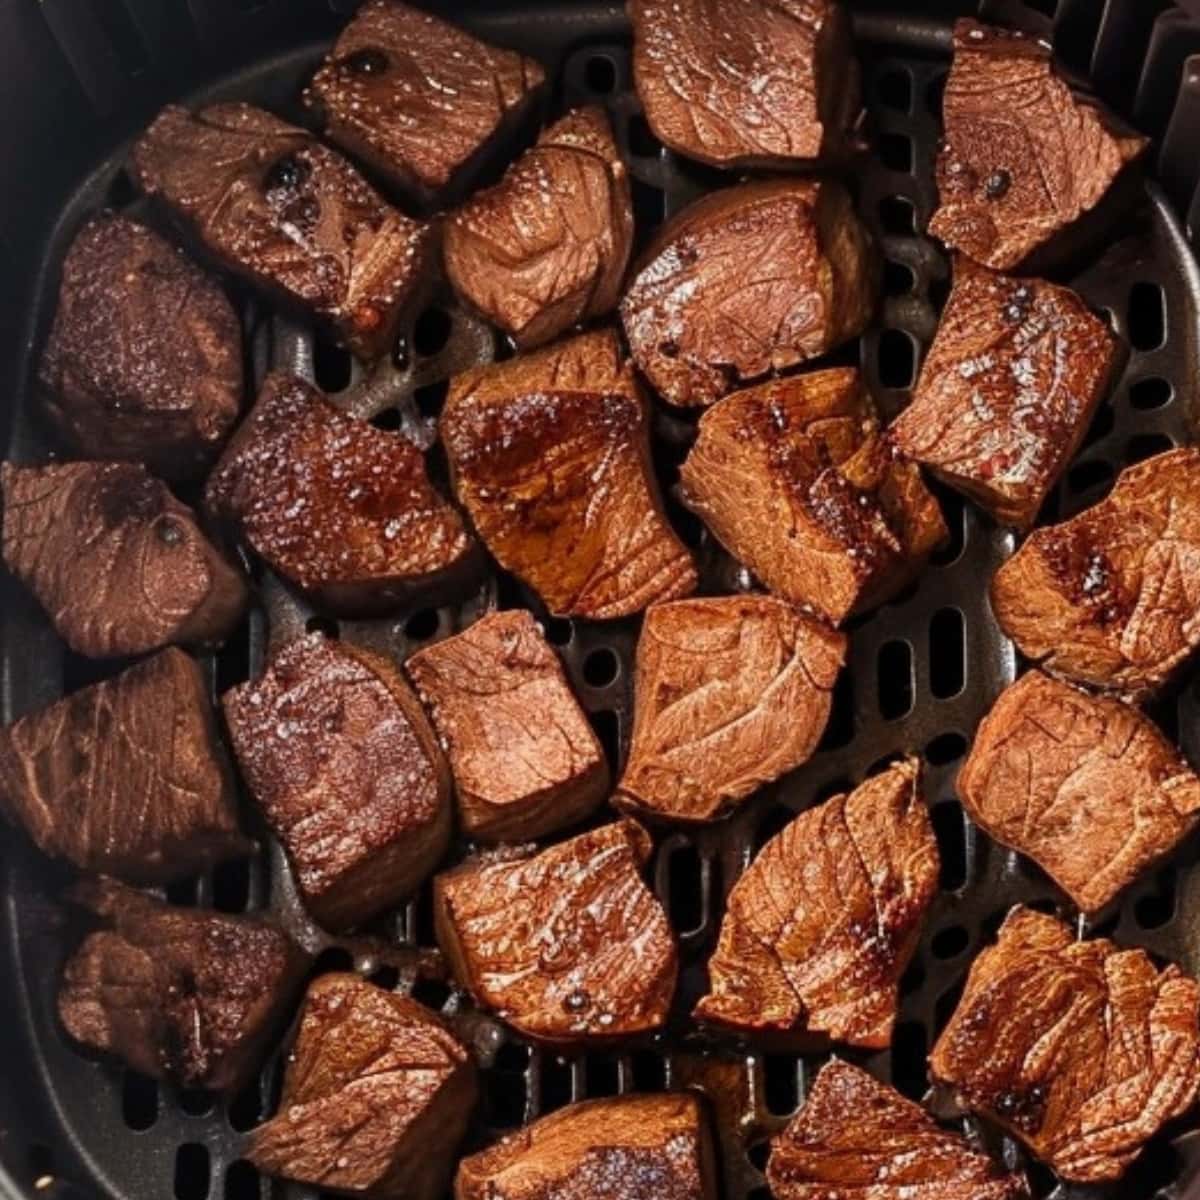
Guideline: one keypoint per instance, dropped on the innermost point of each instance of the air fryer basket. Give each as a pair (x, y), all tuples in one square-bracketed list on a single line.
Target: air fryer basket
[(81, 78)]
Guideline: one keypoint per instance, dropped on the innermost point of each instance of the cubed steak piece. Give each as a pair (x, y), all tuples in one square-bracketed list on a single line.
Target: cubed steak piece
[(270, 203), (343, 510), (566, 944), (1111, 598), (1079, 1048), (1023, 156), (547, 247), (127, 776), (796, 479), (524, 758), (144, 359), (336, 750), (119, 565), (858, 1139), (1086, 786), (629, 1147), (1007, 391), (748, 280), (821, 926), (181, 994), (376, 1096), (730, 692), (420, 101)]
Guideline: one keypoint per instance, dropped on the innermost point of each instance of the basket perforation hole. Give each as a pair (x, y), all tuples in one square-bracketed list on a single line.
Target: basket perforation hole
[(777, 818), (1085, 476), (326, 625), (781, 1084), (191, 1172), (182, 892), (839, 729), (433, 993), (332, 958), (388, 420), (642, 142), (600, 74), (913, 979), (945, 749), (231, 886), (432, 331), (950, 942), (954, 512), (649, 1071), (909, 1046), (241, 1181), (245, 1109), (332, 367), (685, 882), (895, 680), (758, 1153), (897, 358), (1101, 426), (898, 215), (196, 1103), (947, 653), (387, 978), (607, 728), (603, 1075), (559, 631), (505, 1085), (422, 625), (1147, 316), (898, 279), (431, 399), (1155, 909), (935, 90), (554, 1089), (947, 1002), (951, 835), (1151, 393), (1146, 445), (894, 87), (601, 667), (896, 152)]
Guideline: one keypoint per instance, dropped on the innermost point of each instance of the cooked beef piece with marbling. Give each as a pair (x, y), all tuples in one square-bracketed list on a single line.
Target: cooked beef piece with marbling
[(730, 692), (547, 247), (340, 757), (1007, 391), (343, 510), (797, 481), (1023, 156), (376, 1096), (1086, 786), (270, 203), (119, 565), (183, 994), (745, 281), (1081, 1049), (127, 776), (524, 758), (823, 923), (566, 944)]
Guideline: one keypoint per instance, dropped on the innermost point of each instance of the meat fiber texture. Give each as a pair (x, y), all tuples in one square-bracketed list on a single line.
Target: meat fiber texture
[(1080, 1049)]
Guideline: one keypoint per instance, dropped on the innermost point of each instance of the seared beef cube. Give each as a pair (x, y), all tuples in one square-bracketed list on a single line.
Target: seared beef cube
[(126, 776), (144, 359), (343, 510), (566, 945), (119, 565), (376, 1096), (1080, 1049), (1008, 390), (269, 202), (1086, 786), (1111, 598), (337, 752), (524, 758), (1023, 157), (730, 692), (821, 926), (422, 102), (746, 281), (547, 247), (795, 479), (183, 994)]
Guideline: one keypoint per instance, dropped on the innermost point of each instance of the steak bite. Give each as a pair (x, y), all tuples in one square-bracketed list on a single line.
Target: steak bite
[(144, 359), (118, 564), (821, 926), (566, 944), (269, 202), (127, 776), (730, 693), (547, 247), (337, 752), (745, 281), (376, 1095), (1010, 385), (1080, 1049), (1086, 786), (797, 481)]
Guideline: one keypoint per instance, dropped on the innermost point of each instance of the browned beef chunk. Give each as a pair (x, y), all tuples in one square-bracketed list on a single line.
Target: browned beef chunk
[(547, 247), (337, 752), (797, 481), (819, 929), (144, 359), (269, 202), (1086, 786), (1080, 1049), (730, 693), (566, 945), (126, 776), (1023, 157), (1111, 598), (183, 994), (420, 101), (745, 281), (1007, 391), (524, 758), (343, 510), (375, 1099), (119, 565)]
